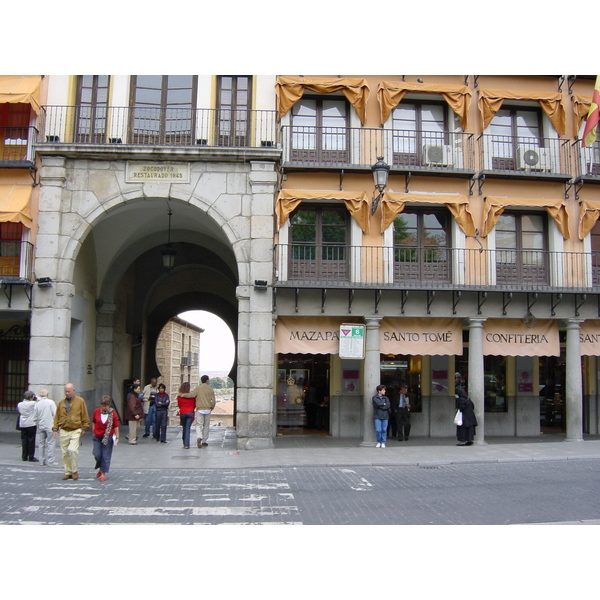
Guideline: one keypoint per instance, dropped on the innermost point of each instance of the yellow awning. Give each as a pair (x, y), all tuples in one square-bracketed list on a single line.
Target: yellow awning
[(392, 204), (490, 102), (513, 337), (356, 203), (14, 204), (390, 94), (495, 205), (590, 211), (425, 337), (290, 89), (21, 89), (581, 106)]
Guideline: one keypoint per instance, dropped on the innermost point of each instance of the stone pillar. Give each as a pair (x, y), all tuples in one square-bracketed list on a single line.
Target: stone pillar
[(51, 306), (476, 379), (372, 376), (573, 384), (104, 350), (255, 415)]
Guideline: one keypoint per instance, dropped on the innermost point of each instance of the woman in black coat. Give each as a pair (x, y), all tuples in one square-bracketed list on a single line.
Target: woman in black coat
[(465, 432)]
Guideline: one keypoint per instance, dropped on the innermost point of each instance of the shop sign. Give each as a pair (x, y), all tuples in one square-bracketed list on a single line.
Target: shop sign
[(166, 173), (513, 337), (352, 341), (425, 337), (589, 338)]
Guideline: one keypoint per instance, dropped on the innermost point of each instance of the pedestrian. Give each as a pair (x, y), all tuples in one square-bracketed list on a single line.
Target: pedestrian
[(186, 403), (161, 402), (150, 392), (70, 423), (403, 414), (26, 410), (105, 424), (465, 432), (381, 415), (205, 403), (134, 412), (43, 415)]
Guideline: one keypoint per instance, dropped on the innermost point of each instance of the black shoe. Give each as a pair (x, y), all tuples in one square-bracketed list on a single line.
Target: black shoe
[(146, 435), (34, 459)]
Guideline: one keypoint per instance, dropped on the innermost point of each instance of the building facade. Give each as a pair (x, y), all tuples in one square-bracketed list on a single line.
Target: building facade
[(475, 264)]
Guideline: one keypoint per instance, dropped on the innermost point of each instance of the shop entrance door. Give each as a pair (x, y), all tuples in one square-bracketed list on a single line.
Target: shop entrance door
[(303, 394), (552, 394)]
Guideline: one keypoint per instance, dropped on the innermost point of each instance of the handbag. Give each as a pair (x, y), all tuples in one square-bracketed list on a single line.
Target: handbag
[(458, 418)]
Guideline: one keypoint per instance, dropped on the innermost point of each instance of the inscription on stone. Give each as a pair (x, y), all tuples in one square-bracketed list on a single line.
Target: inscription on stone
[(168, 173)]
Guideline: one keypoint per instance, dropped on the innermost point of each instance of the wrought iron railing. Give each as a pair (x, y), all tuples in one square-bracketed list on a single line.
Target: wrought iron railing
[(587, 159), (16, 144), (433, 267), (525, 155), (360, 147), (158, 126), (16, 260)]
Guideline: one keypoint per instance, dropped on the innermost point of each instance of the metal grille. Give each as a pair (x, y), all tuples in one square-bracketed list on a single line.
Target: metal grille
[(14, 373)]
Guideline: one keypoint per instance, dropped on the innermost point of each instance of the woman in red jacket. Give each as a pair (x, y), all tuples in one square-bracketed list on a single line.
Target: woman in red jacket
[(105, 425), (134, 412), (187, 409)]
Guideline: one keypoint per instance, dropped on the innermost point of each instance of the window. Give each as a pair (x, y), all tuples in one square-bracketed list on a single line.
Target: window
[(320, 131), (419, 132), (319, 248), (494, 376), (515, 139), (163, 109), (421, 246), (595, 243), (521, 245), (234, 95), (11, 235), (92, 109), (14, 131)]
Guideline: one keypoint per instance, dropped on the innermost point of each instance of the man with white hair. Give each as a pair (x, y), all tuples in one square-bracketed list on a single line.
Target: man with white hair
[(43, 415)]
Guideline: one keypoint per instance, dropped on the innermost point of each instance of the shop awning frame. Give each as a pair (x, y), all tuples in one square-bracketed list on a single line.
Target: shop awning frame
[(15, 202), (21, 89)]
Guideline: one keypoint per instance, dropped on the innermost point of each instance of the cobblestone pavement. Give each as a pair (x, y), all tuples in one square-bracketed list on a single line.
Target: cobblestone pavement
[(544, 492)]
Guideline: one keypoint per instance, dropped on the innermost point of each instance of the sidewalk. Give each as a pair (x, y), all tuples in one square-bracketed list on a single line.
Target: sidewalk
[(296, 451)]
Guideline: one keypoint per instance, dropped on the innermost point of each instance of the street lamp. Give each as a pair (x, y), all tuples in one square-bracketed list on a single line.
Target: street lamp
[(168, 254), (381, 172)]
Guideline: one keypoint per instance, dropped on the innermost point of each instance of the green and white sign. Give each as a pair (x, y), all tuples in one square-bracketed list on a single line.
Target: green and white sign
[(352, 341)]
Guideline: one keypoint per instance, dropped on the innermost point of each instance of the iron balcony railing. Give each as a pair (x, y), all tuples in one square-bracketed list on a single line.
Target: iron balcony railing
[(16, 261), (16, 145), (360, 147), (432, 267), (525, 155), (587, 159), (158, 126)]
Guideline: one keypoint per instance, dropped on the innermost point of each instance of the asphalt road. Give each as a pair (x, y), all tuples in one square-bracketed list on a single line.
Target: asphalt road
[(464, 494)]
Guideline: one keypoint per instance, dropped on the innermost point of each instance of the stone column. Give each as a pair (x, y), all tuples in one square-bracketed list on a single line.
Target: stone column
[(372, 376), (104, 350), (573, 384), (51, 306), (476, 379)]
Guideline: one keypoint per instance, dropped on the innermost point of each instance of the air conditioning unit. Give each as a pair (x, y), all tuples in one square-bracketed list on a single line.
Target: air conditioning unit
[(437, 155), (534, 159)]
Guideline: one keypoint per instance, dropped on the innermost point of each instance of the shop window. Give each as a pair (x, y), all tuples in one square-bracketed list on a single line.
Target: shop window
[(399, 369), (521, 248), (494, 375), (91, 108), (319, 243), (163, 108), (422, 246), (320, 131)]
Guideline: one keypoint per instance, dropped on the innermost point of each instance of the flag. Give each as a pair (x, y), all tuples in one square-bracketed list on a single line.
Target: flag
[(591, 123)]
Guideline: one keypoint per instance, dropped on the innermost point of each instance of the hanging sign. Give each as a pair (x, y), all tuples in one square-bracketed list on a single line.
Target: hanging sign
[(352, 341)]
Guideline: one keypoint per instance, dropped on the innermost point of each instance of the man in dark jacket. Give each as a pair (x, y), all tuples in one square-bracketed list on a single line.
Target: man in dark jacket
[(465, 432)]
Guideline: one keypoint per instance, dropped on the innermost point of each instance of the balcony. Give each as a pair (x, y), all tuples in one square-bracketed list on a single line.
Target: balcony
[(435, 268), (588, 161), (525, 157), (436, 153), (16, 146), (150, 127), (16, 261)]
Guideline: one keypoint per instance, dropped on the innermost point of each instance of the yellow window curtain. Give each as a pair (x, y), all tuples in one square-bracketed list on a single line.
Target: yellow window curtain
[(21, 89), (490, 102), (390, 94), (392, 204), (356, 203), (590, 211), (14, 204), (495, 205), (581, 106), (290, 89)]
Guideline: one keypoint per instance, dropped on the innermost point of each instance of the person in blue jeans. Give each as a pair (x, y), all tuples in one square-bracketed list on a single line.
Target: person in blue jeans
[(161, 402), (187, 412), (381, 415), (150, 392)]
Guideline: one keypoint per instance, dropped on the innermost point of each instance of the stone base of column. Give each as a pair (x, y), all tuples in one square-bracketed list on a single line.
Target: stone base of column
[(573, 440), (255, 443), (367, 444)]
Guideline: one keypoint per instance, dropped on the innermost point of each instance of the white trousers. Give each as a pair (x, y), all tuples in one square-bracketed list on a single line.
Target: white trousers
[(45, 443), (69, 445), (202, 426)]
